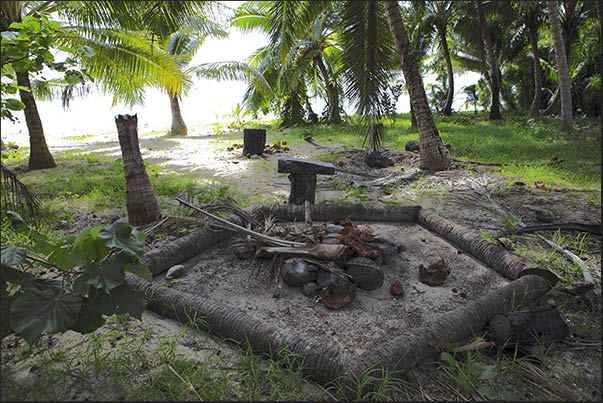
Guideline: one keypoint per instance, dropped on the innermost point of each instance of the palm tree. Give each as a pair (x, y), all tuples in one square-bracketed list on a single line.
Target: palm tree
[(492, 62), (120, 61), (438, 15), (182, 46), (39, 154), (367, 61), (566, 115), (434, 154)]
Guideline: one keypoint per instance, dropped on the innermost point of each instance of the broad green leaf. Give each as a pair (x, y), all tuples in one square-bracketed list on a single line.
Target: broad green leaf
[(14, 104), (90, 247), (141, 270), (121, 300), (44, 247), (106, 276), (87, 322), (43, 307), (14, 276), (13, 255), (16, 221), (123, 236), (64, 260), (7, 302)]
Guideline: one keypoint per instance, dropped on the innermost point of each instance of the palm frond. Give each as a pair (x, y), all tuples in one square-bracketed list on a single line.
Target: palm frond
[(15, 195), (233, 70)]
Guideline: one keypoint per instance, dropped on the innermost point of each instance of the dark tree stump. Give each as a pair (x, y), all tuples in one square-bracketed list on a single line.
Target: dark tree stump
[(303, 187), (254, 141), (141, 203), (528, 327)]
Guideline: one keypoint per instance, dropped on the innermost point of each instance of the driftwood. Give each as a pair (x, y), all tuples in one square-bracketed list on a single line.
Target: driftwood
[(570, 226), (317, 251)]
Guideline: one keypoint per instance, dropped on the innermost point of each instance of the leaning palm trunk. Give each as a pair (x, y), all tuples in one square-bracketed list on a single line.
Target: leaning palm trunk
[(537, 100), (434, 154), (334, 115), (566, 115), (39, 154), (141, 203), (450, 95), (178, 125), (493, 64)]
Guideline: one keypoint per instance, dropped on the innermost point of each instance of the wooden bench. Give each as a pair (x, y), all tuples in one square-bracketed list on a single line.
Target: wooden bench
[(302, 175)]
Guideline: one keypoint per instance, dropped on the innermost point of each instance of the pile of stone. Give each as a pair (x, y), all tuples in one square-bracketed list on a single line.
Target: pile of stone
[(336, 281)]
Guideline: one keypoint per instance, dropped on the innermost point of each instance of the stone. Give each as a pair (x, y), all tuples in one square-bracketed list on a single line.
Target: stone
[(175, 272), (254, 156), (331, 241), (365, 273), (310, 289), (337, 277), (378, 160), (545, 215), (334, 228), (388, 252), (412, 145), (297, 272)]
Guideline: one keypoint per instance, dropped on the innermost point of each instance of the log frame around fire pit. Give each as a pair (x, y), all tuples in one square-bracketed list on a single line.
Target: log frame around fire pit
[(324, 363)]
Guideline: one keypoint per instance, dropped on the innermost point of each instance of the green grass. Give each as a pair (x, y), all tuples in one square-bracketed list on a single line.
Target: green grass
[(524, 146)]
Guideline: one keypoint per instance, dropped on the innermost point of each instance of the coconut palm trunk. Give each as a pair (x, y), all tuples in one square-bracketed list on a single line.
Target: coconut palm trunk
[(566, 115), (178, 125), (434, 154), (449, 97), (537, 100), (39, 154), (493, 64), (141, 203), (334, 115)]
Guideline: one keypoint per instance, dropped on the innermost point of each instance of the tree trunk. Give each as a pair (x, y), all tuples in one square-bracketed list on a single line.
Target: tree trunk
[(141, 203), (178, 125), (434, 154), (39, 154), (566, 115), (413, 117), (537, 100), (495, 90), (334, 116), (450, 95)]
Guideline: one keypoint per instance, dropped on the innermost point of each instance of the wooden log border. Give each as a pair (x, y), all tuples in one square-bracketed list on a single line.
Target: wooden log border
[(528, 282)]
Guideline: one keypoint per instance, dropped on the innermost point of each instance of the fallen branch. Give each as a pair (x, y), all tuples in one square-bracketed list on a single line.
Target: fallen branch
[(570, 226), (318, 251), (232, 226)]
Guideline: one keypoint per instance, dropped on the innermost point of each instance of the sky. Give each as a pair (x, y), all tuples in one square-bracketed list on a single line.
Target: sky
[(208, 101)]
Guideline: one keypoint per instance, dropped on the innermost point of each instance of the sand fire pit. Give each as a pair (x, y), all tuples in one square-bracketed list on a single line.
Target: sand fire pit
[(398, 324)]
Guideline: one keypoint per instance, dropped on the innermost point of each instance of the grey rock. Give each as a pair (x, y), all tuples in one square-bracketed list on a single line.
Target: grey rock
[(378, 160), (297, 272), (310, 289), (365, 273), (327, 278), (412, 145), (334, 228), (331, 241), (388, 251), (175, 272), (545, 216), (254, 157)]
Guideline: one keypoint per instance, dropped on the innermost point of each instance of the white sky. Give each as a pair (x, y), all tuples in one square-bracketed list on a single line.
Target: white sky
[(207, 102)]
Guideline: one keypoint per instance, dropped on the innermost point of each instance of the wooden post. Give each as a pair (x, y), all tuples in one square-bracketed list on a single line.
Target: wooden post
[(141, 203), (254, 141), (302, 175)]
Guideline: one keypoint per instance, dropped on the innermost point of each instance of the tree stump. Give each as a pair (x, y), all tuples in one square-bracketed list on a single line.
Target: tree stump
[(303, 187), (254, 141), (141, 203), (302, 175)]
